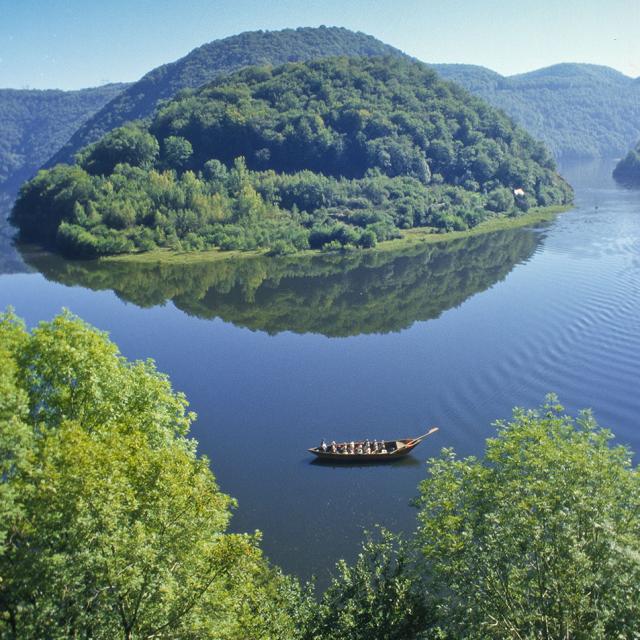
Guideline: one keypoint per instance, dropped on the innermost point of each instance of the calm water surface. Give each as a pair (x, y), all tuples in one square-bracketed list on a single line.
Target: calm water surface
[(274, 355)]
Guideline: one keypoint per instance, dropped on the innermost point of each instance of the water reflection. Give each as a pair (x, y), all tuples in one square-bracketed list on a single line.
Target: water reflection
[(363, 292), (404, 461), (10, 259)]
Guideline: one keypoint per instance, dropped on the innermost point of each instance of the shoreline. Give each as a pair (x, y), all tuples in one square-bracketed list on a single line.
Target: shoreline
[(410, 239)]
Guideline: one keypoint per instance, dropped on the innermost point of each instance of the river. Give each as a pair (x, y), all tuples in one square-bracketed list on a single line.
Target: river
[(276, 354)]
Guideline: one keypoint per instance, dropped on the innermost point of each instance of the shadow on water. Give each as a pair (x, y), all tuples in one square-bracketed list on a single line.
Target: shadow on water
[(346, 295), (10, 259), (405, 461)]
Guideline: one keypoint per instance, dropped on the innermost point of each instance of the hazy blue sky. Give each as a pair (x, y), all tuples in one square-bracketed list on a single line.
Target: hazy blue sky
[(77, 43)]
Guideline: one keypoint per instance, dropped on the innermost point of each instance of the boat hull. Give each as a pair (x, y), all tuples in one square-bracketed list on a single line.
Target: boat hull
[(350, 458)]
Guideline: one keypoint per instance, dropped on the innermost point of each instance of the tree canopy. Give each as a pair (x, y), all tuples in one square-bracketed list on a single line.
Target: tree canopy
[(541, 538), (214, 59), (111, 524), (324, 154)]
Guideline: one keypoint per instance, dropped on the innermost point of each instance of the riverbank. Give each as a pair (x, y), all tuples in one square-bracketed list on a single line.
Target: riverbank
[(411, 238)]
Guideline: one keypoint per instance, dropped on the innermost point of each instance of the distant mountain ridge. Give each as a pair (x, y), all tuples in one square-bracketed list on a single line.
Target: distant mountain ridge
[(34, 124), (211, 60), (578, 110)]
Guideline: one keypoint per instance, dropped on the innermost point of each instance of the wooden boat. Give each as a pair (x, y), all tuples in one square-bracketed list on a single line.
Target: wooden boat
[(390, 450)]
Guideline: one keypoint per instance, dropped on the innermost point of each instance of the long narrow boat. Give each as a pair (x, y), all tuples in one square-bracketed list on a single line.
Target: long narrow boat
[(389, 450)]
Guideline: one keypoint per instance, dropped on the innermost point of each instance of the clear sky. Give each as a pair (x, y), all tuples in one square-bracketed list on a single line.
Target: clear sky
[(70, 44)]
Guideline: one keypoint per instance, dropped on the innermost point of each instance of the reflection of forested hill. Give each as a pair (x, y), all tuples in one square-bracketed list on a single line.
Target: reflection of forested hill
[(335, 296), (10, 259)]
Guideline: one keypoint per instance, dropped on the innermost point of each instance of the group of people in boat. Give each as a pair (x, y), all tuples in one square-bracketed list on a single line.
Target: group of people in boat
[(365, 447)]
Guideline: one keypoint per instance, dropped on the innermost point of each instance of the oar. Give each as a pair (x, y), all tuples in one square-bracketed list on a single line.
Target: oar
[(422, 437)]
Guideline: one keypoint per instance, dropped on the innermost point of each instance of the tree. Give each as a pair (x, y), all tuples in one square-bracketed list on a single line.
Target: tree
[(129, 144), (379, 597), (116, 527), (541, 538), (177, 152)]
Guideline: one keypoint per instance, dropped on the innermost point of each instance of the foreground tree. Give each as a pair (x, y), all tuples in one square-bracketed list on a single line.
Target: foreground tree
[(113, 526), (380, 596), (541, 539)]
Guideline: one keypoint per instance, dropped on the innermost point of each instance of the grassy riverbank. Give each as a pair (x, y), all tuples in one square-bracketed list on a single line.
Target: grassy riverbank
[(410, 238)]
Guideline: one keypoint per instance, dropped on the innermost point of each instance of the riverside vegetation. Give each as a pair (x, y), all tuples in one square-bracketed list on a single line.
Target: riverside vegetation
[(342, 152), (112, 525), (334, 295)]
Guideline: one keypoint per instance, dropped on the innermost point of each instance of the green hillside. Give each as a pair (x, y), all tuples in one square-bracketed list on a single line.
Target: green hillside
[(324, 154), (578, 110), (211, 60), (35, 124)]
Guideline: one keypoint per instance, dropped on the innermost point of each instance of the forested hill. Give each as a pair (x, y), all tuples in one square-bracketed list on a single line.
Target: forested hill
[(578, 110), (627, 171), (324, 154), (35, 124), (213, 59)]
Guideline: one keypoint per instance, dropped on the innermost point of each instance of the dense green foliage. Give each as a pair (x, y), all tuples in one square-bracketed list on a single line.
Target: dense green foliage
[(35, 124), (577, 110), (541, 538), (381, 596), (111, 525), (627, 171), (334, 295), (211, 60), (332, 153)]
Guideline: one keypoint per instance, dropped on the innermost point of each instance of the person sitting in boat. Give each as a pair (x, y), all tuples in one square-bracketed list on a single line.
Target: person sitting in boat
[(368, 450), (333, 446), (323, 446), (375, 445)]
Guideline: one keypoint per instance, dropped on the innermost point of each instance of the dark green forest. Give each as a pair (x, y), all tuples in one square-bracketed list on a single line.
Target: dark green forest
[(577, 110), (334, 295), (216, 58), (343, 152), (627, 171), (35, 124)]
